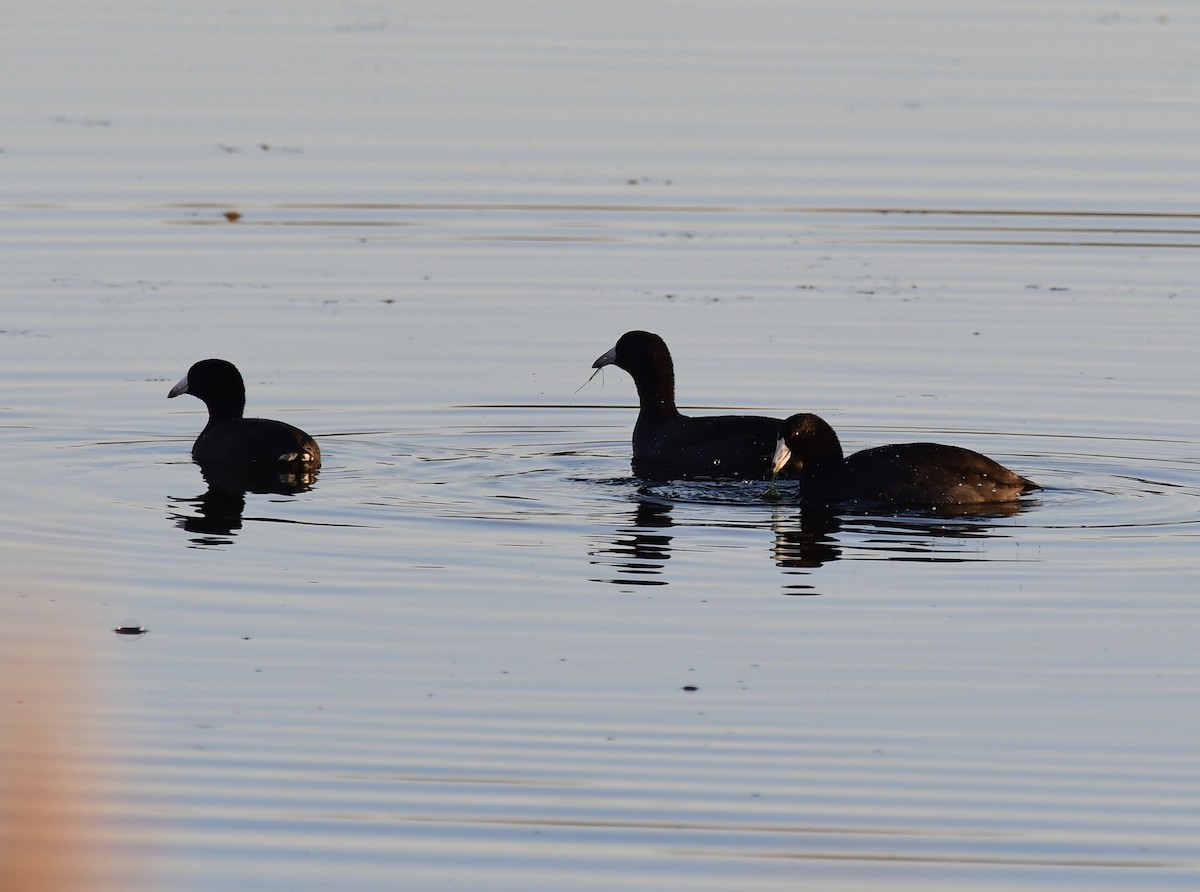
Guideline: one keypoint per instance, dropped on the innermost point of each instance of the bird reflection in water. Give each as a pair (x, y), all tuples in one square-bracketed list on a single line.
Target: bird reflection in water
[(639, 550), (818, 535), (807, 538), (808, 545), (219, 511)]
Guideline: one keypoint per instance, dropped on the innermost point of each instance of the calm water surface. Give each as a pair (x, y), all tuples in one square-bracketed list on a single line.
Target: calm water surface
[(476, 652)]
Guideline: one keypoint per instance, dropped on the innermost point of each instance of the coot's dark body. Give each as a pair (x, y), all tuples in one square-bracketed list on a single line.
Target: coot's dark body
[(902, 474), (670, 446), (230, 439)]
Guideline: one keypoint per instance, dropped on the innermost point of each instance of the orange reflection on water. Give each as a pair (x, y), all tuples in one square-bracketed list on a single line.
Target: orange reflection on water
[(51, 803)]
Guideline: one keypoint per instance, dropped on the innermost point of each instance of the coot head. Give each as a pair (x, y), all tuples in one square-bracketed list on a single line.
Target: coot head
[(645, 356), (806, 441), (218, 384), (637, 351)]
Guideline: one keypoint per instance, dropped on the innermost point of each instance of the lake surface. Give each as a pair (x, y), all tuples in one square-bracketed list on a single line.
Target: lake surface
[(477, 653)]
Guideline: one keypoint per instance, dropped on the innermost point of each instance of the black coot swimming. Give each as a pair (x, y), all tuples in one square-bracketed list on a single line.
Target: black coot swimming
[(228, 438), (671, 446), (903, 474)]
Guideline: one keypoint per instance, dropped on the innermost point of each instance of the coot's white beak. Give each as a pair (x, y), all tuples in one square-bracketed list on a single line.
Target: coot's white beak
[(607, 359), (783, 455), (179, 388)]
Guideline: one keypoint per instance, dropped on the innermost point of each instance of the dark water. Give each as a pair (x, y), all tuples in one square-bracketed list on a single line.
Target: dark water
[(476, 652)]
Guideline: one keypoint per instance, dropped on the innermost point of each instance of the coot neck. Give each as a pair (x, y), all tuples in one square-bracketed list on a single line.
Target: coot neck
[(821, 468), (656, 391), (225, 408)]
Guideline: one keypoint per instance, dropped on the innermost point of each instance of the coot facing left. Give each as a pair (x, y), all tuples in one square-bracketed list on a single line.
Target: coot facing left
[(230, 439), (902, 474), (668, 445)]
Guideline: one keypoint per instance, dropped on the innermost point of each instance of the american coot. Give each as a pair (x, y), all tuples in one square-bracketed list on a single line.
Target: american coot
[(671, 446), (903, 474), (230, 439)]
